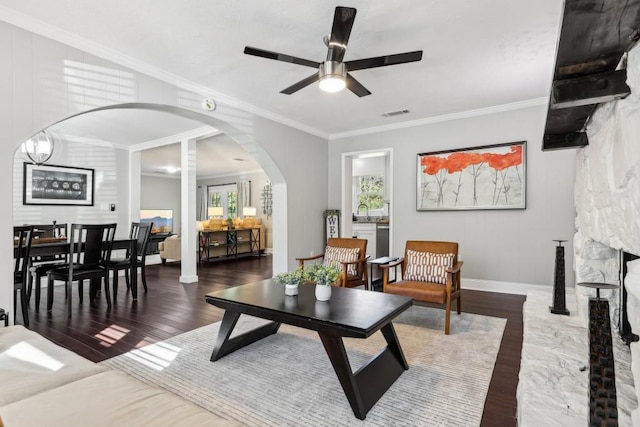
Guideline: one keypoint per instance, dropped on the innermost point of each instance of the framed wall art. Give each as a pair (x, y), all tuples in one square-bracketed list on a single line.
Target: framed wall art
[(57, 185), (486, 177)]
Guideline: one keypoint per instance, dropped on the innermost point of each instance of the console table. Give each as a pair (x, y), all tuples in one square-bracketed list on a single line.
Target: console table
[(223, 244)]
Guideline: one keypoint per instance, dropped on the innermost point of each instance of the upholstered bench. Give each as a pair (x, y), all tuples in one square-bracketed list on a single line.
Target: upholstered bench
[(45, 384)]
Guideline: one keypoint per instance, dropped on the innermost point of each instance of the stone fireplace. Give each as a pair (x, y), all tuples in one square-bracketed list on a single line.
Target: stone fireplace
[(607, 202)]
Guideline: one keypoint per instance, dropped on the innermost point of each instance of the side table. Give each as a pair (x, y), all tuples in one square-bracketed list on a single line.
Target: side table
[(379, 261)]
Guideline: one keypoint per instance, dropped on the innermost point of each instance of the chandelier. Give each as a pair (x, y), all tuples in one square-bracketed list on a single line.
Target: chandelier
[(39, 148)]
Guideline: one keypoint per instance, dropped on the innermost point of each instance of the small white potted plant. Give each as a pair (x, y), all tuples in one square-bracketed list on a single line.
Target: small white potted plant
[(324, 276), (291, 280)]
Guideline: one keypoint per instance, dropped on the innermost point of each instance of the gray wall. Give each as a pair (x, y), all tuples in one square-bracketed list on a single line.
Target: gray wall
[(513, 246)]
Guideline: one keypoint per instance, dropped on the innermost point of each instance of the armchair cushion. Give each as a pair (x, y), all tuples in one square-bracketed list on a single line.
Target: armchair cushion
[(428, 266), (335, 255)]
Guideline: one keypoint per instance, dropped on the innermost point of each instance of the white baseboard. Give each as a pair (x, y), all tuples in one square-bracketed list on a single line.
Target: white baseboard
[(501, 287)]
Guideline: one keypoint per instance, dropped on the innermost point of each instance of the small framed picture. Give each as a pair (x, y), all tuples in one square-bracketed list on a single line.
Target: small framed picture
[(57, 185)]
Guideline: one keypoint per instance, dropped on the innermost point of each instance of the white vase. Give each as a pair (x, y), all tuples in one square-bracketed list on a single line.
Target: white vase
[(291, 289), (323, 293)]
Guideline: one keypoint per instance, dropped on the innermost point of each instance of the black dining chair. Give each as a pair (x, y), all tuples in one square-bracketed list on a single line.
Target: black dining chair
[(38, 266), (22, 246), (141, 232), (89, 253)]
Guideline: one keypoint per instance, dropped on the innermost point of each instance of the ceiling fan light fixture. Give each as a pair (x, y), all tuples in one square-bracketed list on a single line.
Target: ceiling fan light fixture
[(332, 76)]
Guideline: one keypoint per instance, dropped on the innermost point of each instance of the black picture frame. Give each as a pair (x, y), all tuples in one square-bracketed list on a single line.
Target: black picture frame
[(57, 185)]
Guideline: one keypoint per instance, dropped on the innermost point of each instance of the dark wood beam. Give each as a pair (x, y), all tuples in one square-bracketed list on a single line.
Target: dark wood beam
[(567, 140), (593, 89)]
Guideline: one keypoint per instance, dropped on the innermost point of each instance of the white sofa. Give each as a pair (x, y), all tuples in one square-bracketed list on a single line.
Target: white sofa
[(44, 384)]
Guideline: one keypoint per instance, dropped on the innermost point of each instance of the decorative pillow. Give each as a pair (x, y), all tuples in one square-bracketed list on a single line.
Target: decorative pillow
[(427, 266), (334, 255)]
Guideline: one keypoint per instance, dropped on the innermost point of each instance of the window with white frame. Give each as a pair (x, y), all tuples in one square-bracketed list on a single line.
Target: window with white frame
[(369, 191), (226, 196)]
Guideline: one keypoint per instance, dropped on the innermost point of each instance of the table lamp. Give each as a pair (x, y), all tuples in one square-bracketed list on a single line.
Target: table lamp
[(249, 212), (215, 212)]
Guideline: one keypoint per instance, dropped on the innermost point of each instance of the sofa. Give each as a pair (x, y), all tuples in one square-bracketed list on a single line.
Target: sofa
[(44, 384)]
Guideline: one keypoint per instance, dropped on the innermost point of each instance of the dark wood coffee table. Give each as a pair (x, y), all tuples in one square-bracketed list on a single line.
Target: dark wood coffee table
[(349, 313)]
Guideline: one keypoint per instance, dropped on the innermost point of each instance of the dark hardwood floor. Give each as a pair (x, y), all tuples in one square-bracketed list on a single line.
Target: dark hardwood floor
[(171, 308)]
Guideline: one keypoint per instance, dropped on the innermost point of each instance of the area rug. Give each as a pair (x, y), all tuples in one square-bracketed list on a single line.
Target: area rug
[(287, 380)]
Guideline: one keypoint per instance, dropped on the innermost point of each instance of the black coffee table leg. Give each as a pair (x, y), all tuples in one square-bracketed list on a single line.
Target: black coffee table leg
[(226, 345), (365, 387)]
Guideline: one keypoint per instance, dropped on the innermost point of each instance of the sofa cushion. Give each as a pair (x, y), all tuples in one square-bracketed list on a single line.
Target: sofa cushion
[(108, 399), (427, 266), (336, 255), (30, 364)]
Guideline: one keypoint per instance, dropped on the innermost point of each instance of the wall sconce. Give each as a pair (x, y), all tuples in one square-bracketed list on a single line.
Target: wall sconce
[(267, 199), (215, 212), (39, 148)]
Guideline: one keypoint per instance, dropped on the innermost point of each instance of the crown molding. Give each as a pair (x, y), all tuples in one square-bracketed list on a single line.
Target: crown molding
[(161, 175), (44, 29), (226, 175), (444, 118)]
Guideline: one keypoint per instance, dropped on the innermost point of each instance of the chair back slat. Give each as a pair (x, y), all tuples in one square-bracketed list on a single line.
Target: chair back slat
[(23, 235), (91, 244), (142, 235)]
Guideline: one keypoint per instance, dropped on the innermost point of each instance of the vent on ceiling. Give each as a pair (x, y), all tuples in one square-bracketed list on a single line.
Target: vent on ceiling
[(395, 113)]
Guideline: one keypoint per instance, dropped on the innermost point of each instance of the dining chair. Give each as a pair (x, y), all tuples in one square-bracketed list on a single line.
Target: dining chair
[(22, 246), (38, 266), (141, 232), (89, 252)]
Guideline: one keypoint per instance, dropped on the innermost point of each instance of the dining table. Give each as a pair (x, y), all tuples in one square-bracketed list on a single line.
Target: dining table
[(49, 246)]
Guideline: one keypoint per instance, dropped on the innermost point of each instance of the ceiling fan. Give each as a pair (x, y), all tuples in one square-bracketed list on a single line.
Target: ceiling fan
[(333, 74)]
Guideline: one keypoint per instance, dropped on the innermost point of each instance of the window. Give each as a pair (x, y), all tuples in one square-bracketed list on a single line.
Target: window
[(223, 195), (369, 190)]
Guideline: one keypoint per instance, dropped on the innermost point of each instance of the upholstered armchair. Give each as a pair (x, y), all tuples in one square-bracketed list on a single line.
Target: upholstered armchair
[(350, 255), (170, 249), (430, 273)]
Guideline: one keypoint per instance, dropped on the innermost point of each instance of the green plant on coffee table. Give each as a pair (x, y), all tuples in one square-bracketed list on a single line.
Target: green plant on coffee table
[(324, 275), (295, 277)]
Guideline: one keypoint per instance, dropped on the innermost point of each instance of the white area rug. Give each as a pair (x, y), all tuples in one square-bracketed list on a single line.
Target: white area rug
[(554, 372), (287, 378)]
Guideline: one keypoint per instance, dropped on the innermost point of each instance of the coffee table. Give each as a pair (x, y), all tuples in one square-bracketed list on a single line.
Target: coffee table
[(349, 313)]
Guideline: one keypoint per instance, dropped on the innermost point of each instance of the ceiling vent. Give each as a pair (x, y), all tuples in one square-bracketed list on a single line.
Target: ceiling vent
[(395, 113)]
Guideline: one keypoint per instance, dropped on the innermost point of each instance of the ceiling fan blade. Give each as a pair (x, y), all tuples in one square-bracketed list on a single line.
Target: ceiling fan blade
[(356, 87), (248, 50), (383, 61), (301, 84), (340, 32)]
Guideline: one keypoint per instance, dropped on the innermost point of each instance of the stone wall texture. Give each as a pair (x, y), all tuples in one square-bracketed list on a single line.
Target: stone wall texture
[(607, 200)]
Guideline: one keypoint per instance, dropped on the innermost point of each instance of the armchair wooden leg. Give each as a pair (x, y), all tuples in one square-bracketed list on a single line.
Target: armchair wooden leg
[(459, 304), (447, 318)]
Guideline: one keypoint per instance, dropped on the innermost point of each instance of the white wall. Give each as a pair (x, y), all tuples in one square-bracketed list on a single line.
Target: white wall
[(43, 81), (157, 192), (110, 187), (258, 181), (512, 246)]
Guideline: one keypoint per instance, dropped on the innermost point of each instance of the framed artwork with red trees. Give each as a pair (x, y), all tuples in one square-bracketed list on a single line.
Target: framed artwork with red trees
[(486, 177)]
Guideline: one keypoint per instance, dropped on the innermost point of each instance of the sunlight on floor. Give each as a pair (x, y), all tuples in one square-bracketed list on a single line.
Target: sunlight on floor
[(30, 354), (156, 356), (111, 335)]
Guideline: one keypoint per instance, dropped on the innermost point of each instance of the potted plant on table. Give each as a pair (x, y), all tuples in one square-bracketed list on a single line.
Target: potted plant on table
[(291, 280), (324, 276)]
